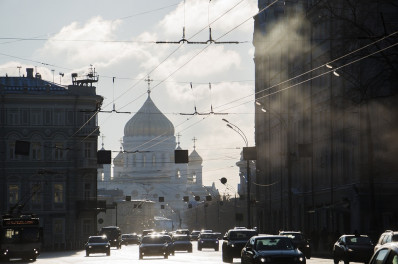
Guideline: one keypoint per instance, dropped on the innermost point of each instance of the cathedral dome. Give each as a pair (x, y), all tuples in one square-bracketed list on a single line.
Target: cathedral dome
[(149, 122), (118, 160), (194, 157)]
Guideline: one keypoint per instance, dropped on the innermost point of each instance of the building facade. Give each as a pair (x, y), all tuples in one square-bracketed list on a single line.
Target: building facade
[(325, 91), (48, 155)]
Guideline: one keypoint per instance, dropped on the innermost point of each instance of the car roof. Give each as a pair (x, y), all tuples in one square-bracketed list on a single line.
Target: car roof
[(391, 245), (269, 236)]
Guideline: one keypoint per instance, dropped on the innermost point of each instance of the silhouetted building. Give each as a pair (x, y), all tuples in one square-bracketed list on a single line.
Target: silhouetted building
[(326, 110), (48, 155)]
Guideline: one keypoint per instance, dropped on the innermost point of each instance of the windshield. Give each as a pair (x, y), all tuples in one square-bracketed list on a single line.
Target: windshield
[(241, 235), (208, 236), (153, 240), (98, 239), (181, 238), (273, 243)]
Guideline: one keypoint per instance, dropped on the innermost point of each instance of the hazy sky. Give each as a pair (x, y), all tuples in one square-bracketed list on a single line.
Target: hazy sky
[(117, 38)]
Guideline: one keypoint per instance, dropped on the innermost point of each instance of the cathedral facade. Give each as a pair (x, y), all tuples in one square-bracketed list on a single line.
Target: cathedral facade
[(145, 169)]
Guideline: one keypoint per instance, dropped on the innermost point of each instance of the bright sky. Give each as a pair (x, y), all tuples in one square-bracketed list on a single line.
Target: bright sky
[(118, 39)]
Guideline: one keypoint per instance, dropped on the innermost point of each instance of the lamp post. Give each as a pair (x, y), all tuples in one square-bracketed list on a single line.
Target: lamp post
[(240, 132)]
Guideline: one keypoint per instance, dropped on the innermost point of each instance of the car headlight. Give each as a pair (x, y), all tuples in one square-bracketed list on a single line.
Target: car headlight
[(307, 245), (217, 242), (349, 250), (201, 241), (299, 259), (89, 246), (231, 244), (265, 259)]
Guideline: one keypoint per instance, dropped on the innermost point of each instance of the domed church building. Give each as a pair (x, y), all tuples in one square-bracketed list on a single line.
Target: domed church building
[(144, 169)]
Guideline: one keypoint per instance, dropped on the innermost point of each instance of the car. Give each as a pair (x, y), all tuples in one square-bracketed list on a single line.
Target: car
[(271, 249), (128, 239), (98, 244), (114, 235), (299, 240), (234, 241), (182, 243), (170, 245), (147, 232), (153, 245), (387, 237), (353, 248), (208, 240), (386, 254), (195, 235), (183, 232)]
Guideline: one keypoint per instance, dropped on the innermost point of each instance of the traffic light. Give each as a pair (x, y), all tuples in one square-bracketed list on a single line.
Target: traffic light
[(180, 156), (104, 157), (223, 180), (22, 147)]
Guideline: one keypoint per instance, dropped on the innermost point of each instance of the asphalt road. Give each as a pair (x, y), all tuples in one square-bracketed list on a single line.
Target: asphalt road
[(129, 254)]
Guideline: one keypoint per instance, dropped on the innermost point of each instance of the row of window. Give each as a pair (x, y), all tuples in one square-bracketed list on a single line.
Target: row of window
[(39, 117), (58, 194), (58, 150)]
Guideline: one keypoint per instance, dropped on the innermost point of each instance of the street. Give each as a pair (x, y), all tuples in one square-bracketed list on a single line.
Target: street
[(130, 253)]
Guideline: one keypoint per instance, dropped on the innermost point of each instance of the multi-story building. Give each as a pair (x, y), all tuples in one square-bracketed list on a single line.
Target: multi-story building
[(48, 155), (325, 91)]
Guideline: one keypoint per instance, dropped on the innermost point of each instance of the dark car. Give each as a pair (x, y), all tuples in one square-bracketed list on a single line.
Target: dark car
[(153, 245), (299, 241), (195, 235), (170, 245), (271, 249), (234, 241), (114, 235), (353, 248), (387, 237), (182, 243), (208, 240), (98, 244), (128, 239), (386, 254)]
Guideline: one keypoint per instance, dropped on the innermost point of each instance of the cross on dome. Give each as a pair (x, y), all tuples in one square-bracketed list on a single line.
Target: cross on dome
[(149, 80), (194, 142)]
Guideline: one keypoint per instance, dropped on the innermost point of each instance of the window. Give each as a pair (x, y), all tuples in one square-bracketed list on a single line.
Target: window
[(153, 160), (59, 151), (134, 159), (381, 255), (87, 191), (36, 193), (143, 160), (58, 117), (24, 116), (35, 117), (69, 117), (13, 117), (58, 193), (36, 151), (58, 226), (87, 150), (11, 150), (13, 194), (47, 117)]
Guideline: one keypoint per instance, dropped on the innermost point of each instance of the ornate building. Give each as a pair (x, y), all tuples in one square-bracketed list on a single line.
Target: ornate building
[(145, 169), (54, 174)]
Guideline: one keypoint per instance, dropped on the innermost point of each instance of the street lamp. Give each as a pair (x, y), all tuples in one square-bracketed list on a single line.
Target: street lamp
[(240, 132)]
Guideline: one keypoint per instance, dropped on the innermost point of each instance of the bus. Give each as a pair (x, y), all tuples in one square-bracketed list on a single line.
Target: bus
[(20, 237)]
